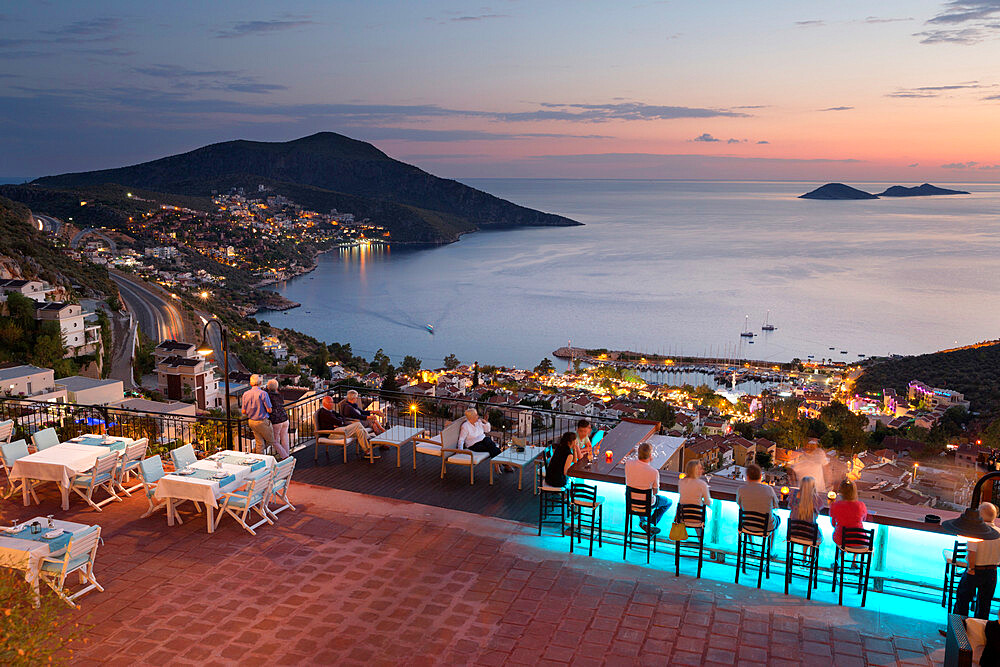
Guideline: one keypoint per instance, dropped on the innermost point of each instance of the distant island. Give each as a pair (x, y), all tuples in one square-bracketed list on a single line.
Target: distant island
[(837, 191), (841, 191), (321, 172), (925, 190)]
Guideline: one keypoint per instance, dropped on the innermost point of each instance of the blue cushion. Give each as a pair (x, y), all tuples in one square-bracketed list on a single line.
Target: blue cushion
[(84, 480), (57, 567), (241, 501), (279, 485)]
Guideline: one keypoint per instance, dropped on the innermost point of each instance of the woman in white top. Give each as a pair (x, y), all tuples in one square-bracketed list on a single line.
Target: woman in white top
[(693, 489), (473, 436)]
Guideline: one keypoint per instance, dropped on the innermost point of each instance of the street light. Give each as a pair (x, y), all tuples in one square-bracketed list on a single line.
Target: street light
[(413, 412), (206, 350)]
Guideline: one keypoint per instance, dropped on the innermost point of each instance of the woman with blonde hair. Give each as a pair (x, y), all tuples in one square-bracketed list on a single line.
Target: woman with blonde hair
[(279, 419), (692, 488), (805, 502)]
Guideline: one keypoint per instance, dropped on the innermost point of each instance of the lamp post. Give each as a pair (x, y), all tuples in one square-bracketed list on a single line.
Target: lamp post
[(970, 524), (206, 350), (413, 413)]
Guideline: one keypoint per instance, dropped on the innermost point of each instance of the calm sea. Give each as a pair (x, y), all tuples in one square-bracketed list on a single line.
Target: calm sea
[(674, 267)]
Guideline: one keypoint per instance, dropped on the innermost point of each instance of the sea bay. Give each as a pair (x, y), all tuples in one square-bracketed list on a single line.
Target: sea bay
[(673, 267)]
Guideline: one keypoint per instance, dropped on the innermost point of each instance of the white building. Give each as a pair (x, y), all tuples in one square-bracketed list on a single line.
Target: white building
[(89, 391), (33, 289), (162, 252), (78, 336), (32, 382)]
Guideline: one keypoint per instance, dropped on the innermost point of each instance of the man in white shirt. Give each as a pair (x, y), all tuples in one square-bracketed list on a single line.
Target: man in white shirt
[(980, 576), (812, 462), (473, 436), (639, 474)]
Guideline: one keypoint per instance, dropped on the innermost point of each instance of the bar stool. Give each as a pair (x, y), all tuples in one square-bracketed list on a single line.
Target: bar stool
[(859, 543), (692, 516), (754, 526), (805, 535), (586, 510), (550, 499), (638, 504), (954, 560)]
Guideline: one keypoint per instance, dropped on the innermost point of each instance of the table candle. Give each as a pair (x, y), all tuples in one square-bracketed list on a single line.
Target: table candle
[(608, 455)]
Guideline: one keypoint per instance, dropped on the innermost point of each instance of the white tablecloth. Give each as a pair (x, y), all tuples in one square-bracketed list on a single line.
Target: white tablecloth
[(26, 555), (59, 463), (208, 491)]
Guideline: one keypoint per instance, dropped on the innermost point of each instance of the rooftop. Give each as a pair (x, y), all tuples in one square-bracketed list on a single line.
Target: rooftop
[(81, 383), (20, 371)]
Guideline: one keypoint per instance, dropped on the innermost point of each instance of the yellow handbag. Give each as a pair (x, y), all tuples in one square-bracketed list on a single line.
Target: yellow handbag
[(678, 532)]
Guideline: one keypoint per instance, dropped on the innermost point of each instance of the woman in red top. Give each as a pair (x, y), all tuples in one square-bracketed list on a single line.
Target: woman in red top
[(847, 511)]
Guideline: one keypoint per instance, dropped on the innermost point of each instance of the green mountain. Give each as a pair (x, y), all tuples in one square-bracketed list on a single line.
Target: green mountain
[(325, 171)]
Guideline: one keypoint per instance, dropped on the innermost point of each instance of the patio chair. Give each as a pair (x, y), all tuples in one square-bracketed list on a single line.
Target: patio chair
[(6, 430), (754, 526), (9, 453), (254, 495), (128, 465), (79, 557), (859, 544), (183, 456), (101, 476), (44, 439), (432, 446), (462, 457), (337, 437), (279, 491)]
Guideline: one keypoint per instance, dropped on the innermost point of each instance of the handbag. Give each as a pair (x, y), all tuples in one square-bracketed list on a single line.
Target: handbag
[(678, 532)]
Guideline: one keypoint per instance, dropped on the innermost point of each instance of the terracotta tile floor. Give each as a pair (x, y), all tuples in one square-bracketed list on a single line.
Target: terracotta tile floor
[(357, 580)]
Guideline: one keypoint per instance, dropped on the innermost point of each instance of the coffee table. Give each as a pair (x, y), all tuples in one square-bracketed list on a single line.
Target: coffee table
[(397, 436), (512, 457)]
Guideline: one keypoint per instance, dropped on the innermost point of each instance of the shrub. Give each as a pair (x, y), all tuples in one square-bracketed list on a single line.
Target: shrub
[(30, 635)]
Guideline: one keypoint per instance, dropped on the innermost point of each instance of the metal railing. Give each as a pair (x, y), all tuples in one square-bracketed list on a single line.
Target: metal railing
[(537, 426), (165, 431)]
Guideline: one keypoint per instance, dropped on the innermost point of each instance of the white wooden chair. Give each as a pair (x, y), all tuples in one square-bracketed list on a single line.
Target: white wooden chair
[(183, 456), (9, 453), (44, 439), (279, 490), (433, 445), (101, 476), (79, 557), (128, 465), (151, 471), (462, 457), (254, 495), (6, 430)]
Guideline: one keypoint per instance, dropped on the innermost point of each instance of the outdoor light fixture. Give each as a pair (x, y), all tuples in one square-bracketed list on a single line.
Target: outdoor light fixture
[(970, 524), (206, 350), (413, 412)]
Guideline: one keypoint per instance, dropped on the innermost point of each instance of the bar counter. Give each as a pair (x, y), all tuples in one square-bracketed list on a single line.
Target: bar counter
[(908, 550)]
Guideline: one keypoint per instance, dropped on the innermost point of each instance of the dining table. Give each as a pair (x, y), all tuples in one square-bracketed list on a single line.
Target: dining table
[(61, 463), (23, 548)]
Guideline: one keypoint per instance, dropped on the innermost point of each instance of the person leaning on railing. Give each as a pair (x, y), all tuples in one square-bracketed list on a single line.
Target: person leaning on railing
[(256, 406), (278, 418), (980, 576)]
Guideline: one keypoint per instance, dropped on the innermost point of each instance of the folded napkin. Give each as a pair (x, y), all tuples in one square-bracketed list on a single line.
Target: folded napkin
[(201, 473)]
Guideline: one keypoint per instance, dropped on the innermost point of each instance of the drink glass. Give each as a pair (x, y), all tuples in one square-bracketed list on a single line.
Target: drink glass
[(51, 525)]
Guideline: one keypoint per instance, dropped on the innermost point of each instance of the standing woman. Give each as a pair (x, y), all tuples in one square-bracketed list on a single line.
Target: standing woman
[(279, 419)]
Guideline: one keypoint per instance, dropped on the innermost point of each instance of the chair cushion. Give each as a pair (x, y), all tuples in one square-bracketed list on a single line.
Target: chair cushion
[(74, 563), (975, 630), (552, 489), (587, 503), (241, 501), (804, 542), (856, 550), (463, 458), (84, 479), (428, 448), (335, 443), (278, 486)]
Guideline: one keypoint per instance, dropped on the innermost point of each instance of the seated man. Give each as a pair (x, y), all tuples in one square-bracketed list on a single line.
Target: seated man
[(755, 496), (350, 409), (639, 474), (327, 419)]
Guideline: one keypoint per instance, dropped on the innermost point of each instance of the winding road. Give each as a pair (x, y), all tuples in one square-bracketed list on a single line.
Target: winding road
[(158, 318)]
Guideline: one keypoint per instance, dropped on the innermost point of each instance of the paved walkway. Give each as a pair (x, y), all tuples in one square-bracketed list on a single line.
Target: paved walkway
[(357, 580)]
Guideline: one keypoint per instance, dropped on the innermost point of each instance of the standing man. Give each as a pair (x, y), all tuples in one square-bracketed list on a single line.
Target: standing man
[(639, 474), (256, 406), (813, 462), (981, 575)]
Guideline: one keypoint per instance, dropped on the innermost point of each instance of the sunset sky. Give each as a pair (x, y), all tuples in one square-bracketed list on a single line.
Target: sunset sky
[(905, 91)]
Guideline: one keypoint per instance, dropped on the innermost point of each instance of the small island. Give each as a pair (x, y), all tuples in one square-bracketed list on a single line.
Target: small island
[(925, 190), (837, 191)]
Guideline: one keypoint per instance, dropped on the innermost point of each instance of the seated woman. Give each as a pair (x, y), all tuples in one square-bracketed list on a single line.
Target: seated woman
[(350, 409), (847, 511), (473, 434), (804, 503), (693, 489), (562, 459)]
